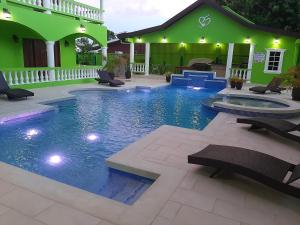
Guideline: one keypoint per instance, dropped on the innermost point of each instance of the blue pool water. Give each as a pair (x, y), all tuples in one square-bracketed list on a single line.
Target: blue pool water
[(71, 144)]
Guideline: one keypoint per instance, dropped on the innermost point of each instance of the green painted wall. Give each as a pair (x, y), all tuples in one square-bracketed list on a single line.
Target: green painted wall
[(67, 52), (224, 30)]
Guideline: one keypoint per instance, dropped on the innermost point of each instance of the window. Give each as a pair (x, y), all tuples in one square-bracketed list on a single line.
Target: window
[(274, 60)]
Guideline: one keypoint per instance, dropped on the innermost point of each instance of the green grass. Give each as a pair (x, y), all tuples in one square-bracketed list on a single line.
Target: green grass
[(54, 84)]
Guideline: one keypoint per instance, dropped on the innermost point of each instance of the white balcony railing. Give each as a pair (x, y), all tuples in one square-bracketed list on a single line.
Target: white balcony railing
[(242, 73), (40, 75), (66, 7), (138, 68)]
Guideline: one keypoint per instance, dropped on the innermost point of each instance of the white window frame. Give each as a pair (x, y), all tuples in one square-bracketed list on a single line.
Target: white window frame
[(269, 50)]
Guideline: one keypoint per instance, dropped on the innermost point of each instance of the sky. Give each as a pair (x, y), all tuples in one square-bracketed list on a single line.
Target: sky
[(131, 15)]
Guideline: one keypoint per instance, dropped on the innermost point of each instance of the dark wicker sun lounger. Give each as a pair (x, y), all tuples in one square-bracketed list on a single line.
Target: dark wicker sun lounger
[(280, 127), (12, 93), (273, 86), (104, 77), (261, 167)]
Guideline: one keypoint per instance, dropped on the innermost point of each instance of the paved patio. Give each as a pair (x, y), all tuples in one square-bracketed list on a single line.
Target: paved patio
[(183, 194)]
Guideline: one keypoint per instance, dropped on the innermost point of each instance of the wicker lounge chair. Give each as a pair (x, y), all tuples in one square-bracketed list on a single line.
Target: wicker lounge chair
[(273, 86), (266, 169), (104, 78), (12, 93), (280, 127)]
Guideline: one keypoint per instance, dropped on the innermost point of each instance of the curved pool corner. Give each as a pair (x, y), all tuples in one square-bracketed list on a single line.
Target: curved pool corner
[(269, 106)]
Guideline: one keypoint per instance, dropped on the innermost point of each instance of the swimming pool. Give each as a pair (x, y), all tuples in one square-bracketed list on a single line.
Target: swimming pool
[(71, 143)]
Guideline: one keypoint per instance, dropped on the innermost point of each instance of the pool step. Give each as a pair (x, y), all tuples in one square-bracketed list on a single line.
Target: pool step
[(180, 81), (216, 83)]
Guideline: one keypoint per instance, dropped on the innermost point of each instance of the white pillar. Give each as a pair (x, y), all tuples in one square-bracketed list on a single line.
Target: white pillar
[(104, 56), (131, 53), (250, 61), (147, 59), (47, 4), (51, 58), (229, 59), (101, 9)]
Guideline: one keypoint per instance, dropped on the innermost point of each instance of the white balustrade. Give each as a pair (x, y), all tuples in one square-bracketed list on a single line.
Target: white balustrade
[(68, 7), (240, 73), (138, 68), (33, 75)]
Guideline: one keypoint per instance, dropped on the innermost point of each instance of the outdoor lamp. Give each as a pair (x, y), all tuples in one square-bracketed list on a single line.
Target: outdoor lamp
[(164, 40), (139, 40), (276, 41), (6, 14), (218, 45), (82, 28), (182, 44), (202, 40), (248, 40)]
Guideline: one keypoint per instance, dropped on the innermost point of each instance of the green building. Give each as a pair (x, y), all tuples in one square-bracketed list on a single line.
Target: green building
[(37, 39), (235, 45)]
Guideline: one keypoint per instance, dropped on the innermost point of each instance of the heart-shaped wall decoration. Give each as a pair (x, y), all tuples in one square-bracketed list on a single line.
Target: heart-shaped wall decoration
[(204, 21)]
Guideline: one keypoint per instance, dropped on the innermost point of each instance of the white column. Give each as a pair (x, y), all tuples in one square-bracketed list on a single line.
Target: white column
[(229, 59), (104, 56), (147, 59), (131, 53), (47, 4), (101, 9), (51, 59), (250, 61)]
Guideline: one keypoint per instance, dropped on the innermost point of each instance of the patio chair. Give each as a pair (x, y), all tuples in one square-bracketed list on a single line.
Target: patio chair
[(266, 169), (273, 86), (12, 93), (105, 77), (280, 127)]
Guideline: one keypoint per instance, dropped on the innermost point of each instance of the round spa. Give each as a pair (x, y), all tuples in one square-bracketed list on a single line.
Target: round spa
[(249, 105)]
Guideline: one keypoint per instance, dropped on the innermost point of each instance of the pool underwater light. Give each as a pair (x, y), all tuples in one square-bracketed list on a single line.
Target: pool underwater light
[(54, 160), (31, 133), (92, 137)]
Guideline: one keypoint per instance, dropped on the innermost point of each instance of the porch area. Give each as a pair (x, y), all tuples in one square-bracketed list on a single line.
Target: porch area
[(227, 60)]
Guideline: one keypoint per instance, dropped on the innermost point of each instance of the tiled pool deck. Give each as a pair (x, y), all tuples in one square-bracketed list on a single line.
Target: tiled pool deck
[(182, 195)]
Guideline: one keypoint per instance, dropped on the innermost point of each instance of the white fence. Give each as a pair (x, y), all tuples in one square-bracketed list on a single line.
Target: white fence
[(138, 68), (33, 75), (244, 74), (68, 7)]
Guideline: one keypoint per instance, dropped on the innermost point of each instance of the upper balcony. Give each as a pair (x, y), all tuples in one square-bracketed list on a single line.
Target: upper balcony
[(66, 7)]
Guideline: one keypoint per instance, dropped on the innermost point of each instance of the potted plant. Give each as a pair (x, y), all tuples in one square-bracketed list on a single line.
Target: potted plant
[(233, 81), (239, 83), (168, 76), (291, 80)]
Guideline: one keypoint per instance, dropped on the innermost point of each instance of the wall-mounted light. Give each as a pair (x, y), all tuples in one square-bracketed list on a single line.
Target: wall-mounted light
[(276, 41), (182, 44), (67, 44), (202, 40), (15, 38), (82, 28), (248, 40), (218, 45), (139, 40), (6, 14), (164, 40)]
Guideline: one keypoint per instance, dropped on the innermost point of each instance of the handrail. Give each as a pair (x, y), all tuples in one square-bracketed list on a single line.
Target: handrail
[(67, 7), (18, 76)]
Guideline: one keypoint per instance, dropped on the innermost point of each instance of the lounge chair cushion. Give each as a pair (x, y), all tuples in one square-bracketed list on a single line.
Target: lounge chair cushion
[(249, 162), (270, 123), (18, 93), (258, 89), (115, 83)]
